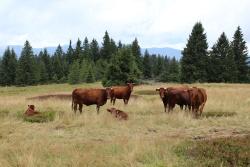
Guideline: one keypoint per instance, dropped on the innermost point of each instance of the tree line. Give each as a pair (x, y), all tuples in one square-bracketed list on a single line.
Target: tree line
[(114, 63)]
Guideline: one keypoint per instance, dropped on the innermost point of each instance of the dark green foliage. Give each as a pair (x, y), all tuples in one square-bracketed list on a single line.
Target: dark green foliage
[(171, 72), (147, 68), (101, 66), (87, 71), (232, 151), (59, 64), (136, 51), (221, 65), (240, 53), (78, 52), (94, 50), (45, 58), (70, 54), (74, 73), (8, 67), (194, 62), (108, 47), (86, 49), (122, 68), (26, 68)]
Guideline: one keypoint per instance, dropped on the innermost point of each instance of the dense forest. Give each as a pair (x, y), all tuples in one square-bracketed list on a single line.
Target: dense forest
[(115, 63)]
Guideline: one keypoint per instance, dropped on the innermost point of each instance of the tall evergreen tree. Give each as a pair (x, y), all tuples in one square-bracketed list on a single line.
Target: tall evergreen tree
[(25, 73), (8, 67), (58, 64), (240, 53), (46, 60), (78, 53), (147, 69), (70, 53), (136, 51), (105, 50), (194, 62), (74, 73), (94, 50), (122, 69), (86, 49)]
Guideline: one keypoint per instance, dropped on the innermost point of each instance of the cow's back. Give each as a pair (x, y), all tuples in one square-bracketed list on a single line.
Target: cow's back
[(121, 91)]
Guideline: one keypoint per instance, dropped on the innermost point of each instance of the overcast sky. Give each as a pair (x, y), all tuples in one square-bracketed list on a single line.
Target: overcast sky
[(156, 23)]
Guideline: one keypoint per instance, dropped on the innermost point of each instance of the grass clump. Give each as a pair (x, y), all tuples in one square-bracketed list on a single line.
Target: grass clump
[(46, 116), (228, 152), (218, 114)]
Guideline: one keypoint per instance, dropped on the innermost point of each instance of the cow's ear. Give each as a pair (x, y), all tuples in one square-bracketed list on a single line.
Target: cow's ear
[(157, 89)]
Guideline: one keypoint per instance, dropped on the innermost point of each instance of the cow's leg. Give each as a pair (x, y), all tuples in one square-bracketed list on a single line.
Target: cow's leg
[(80, 108), (165, 107), (114, 101), (97, 109), (75, 107)]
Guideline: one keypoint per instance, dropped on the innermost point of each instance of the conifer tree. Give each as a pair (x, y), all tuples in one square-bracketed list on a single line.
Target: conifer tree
[(106, 47), (240, 53), (136, 51), (70, 54), (25, 73), (122, 68), (94, 50), (74, 73), (78, 52), (8, 67), (58, 64), (147, 69), (194, 62)]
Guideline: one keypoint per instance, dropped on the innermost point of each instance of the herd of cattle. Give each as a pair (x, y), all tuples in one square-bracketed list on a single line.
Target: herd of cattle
[(192, 98)]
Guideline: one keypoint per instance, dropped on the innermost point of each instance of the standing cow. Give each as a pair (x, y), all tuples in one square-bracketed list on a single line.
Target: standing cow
[(121, 92), (198, 98), (90, 97)]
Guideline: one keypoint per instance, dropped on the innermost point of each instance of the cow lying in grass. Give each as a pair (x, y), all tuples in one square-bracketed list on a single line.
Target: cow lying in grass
[(31, 111), (121, 115)]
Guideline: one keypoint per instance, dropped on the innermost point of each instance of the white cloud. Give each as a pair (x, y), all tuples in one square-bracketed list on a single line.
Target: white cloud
[(154, 23)]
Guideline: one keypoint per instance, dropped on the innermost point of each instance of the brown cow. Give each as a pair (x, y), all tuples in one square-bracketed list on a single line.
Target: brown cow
[(167, 96), (121, 115), (121, 92), (162, 93), (89, 97), (178, 96), (198, 98), (31, 111)]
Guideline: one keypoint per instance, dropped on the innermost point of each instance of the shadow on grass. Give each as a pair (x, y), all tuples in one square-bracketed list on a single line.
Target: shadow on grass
[(218, 114), (45, 116), (231, 151)]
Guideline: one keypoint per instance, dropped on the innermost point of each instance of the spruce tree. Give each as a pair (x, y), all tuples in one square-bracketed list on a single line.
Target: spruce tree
[(94, 50), (136, 51), (147, 69), (122, 68), (106, 50), (70, 54), (240, 53), (25, 73), (78, 52), (8, 67), (86, 49), (58, 64), (194, 62), (46, 60), (74, 73)]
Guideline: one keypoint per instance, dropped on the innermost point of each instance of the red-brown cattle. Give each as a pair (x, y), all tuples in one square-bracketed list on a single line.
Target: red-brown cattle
[(121, 115), (198, 98), (31, 111), (121, 92), (168, 96), (89, 97), (162, 93)]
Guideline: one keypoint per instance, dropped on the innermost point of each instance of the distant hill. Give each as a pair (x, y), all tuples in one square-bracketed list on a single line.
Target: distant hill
[(170, 52)]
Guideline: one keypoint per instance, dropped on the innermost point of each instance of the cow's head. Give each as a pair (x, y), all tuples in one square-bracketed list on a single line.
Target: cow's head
[(131, 85), (112, 110), (109, 92), (31, 106), (161, 92)]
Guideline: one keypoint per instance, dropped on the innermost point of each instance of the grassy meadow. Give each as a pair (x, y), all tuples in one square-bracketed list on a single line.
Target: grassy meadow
[(150, 137)]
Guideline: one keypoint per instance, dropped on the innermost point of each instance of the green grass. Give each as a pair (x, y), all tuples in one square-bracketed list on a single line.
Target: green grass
[(46, 116)]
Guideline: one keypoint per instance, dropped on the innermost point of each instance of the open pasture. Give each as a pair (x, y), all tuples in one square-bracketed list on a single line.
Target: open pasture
[(149, 138)]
